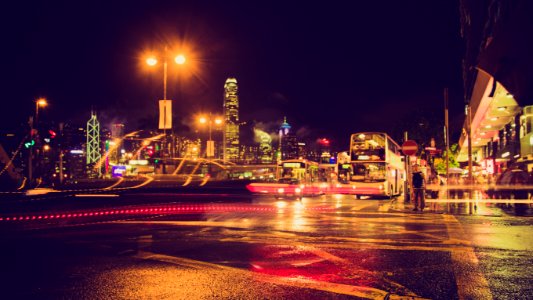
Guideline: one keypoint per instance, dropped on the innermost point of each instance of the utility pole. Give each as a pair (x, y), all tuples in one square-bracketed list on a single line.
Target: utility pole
[(60, 154), (30, 155), (469, 116), (446, 139), (470, 177), (407, 194)]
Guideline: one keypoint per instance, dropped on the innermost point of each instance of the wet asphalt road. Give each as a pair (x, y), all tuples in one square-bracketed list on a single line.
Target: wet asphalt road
[(231, 247)]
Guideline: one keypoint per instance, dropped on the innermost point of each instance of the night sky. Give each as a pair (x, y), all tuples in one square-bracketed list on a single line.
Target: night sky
[(331, 68)]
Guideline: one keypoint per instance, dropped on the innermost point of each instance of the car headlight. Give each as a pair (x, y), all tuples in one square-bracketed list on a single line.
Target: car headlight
[(281, 190), (297, 190)]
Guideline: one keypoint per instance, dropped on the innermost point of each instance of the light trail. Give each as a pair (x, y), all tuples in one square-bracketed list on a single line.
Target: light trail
[(148, 180), (113, 148), (155, 210), (96, 195), (189, 179), (23, 184), (179, 166), (119, 181)]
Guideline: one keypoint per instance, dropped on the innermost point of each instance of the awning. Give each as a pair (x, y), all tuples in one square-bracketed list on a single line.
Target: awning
[(493, 107)]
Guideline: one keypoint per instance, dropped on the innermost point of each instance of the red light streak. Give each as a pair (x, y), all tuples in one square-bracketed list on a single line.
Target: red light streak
[(174, 209)]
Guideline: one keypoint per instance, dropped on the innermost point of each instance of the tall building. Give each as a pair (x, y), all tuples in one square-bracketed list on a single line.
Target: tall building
[(93, 144), (288, 145), (231, 120), (74, 146), (265, 146)]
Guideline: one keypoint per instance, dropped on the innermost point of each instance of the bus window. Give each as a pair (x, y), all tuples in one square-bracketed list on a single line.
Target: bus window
[(369, 172)]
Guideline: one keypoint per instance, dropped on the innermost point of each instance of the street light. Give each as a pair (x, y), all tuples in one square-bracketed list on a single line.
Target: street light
[(33, 123), (153, 60), (42, 103), (210, 151), (165, 105)]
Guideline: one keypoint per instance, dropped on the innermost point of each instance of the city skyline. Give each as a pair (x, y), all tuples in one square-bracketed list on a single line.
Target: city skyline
[(306, 62)]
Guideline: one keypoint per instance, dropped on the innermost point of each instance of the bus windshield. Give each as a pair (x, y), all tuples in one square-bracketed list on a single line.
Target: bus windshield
[(368, 172), (298, 170)]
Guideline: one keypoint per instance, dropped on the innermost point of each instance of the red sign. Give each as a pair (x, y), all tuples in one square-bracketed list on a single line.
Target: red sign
[(409, 147)]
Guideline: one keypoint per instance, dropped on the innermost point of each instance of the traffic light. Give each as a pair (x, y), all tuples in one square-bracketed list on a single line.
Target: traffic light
[(29, 144), (52, 133)]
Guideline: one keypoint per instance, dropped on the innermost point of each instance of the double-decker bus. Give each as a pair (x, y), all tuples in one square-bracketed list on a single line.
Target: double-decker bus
[(375, 166), (294, 177)]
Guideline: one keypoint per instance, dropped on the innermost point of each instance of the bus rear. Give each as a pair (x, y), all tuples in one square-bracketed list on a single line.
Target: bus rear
[(375, 167)]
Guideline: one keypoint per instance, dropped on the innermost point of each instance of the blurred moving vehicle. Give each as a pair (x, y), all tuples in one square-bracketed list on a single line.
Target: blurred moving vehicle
[(294, 178)]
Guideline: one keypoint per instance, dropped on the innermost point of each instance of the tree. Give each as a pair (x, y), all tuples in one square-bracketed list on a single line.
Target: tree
[(440, 162)]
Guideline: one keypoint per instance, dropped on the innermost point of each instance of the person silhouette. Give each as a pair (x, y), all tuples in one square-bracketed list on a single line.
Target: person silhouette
[(418, 185)]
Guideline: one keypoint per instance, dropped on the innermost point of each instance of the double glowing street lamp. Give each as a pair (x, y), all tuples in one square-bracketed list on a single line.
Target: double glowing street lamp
[(152, 61), (165, 105), (210, 150)]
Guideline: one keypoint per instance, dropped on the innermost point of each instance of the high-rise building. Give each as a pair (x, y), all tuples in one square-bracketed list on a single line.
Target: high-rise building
[(288, 144), (75, 150), (231, 120), (93, 144), (265, 146)]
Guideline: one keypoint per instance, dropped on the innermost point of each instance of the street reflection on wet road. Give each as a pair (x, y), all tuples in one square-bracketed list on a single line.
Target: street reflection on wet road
[(330, 246)]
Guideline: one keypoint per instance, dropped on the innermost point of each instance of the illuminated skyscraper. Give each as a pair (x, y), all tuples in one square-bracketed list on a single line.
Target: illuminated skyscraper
[(288, 145), (93, 142), (231, 120), (265, 146)]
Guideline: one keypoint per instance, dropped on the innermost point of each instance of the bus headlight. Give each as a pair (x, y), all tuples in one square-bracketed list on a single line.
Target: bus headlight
[(297, 190), (381, 186), (281, 190)]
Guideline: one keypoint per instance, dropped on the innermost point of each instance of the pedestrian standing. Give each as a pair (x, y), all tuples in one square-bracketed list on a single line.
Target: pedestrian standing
[(418, 183)]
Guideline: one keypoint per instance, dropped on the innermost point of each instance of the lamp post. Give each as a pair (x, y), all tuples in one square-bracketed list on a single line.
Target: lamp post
[(152, 61), (210, 149), (40, 102), (165, 105), (33, 124)]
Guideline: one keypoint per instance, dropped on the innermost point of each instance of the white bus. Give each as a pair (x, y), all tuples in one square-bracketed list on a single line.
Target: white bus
[(375, 166)]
